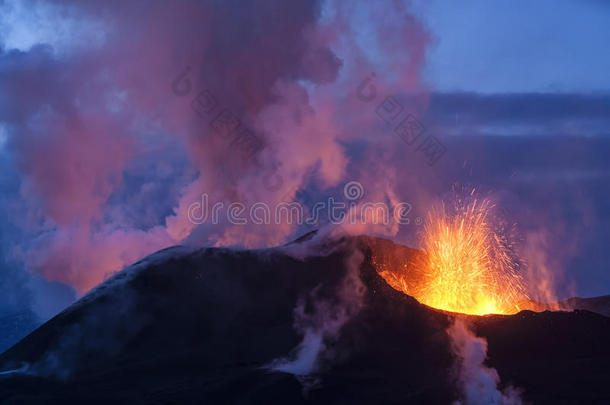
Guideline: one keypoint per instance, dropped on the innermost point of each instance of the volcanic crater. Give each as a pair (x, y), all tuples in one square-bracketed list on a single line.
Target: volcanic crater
[(205, 325)]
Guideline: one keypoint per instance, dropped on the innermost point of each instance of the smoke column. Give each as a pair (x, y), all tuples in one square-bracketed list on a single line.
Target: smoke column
[(478, 383), (324, 323), (112, 145)]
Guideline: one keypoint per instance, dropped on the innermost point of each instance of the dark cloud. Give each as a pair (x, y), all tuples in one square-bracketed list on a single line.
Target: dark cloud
[(522, 107), (546, 113)]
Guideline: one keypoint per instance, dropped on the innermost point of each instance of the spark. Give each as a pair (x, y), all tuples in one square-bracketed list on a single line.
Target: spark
[(469, 265)]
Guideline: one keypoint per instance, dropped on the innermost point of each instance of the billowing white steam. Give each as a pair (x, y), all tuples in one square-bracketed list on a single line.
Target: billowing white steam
[(478, 383), (324, 323)]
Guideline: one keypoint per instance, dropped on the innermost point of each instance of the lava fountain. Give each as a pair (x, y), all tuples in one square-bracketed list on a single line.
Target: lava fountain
[(469, 265)]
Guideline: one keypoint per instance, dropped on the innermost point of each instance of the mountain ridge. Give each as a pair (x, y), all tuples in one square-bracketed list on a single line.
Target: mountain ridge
[(203, 325)]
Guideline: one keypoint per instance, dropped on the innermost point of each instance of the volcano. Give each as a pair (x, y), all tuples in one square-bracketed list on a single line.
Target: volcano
[(206, 326)]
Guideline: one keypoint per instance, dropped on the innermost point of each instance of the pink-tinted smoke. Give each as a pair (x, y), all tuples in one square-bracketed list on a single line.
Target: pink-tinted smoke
[(82, 118)]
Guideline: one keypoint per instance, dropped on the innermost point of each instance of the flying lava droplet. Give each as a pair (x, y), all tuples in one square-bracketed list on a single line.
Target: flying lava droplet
[(469, 266)]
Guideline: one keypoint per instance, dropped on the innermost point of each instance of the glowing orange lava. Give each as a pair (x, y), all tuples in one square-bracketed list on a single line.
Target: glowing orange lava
[(468, 266)]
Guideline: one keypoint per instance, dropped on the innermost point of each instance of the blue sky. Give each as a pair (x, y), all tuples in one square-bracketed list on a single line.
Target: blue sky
[(483, 46), (497, 46)]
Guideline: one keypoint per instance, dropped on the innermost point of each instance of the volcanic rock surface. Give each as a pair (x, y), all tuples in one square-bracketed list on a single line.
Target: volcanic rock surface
[(202, 326)]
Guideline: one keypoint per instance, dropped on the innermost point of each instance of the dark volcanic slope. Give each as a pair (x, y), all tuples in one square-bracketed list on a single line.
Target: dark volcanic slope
[(600, 305), (197, 326)]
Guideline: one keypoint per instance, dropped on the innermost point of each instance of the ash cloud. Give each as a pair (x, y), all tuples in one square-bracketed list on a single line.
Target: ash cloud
[(96, 133)]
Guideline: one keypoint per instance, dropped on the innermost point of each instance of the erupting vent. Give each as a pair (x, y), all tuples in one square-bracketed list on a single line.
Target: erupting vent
[(469, 265)]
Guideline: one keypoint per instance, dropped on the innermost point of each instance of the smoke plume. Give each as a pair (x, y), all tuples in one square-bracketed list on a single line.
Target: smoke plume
[(319, 318), (114, 140), (477, 382)]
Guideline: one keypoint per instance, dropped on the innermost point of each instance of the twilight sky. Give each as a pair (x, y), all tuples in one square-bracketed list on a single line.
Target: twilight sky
[(505, 46), (100, 158)]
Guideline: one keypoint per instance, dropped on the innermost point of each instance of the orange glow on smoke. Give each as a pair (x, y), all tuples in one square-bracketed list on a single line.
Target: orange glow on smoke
[(468, 266)]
